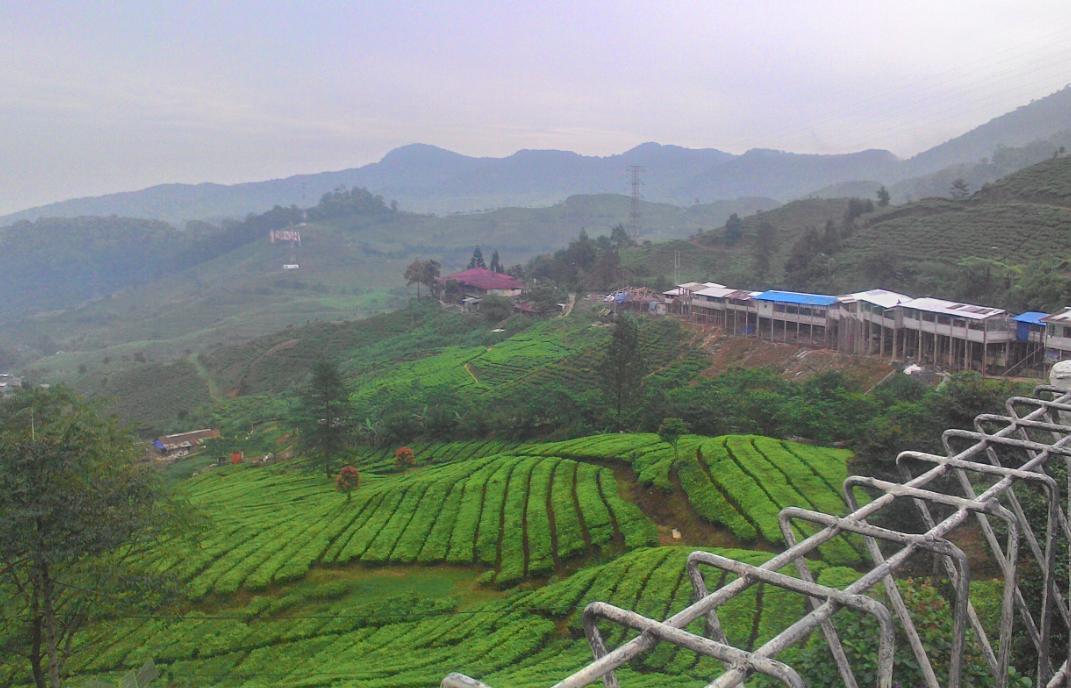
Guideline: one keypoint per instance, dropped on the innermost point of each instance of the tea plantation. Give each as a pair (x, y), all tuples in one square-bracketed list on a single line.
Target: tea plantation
[(516, 515), (374, 629), (480, 559)]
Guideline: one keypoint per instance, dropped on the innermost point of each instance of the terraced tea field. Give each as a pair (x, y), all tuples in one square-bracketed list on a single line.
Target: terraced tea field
[(518, 516), (740, 482), (377, 630), (407, 579), (381, 460)]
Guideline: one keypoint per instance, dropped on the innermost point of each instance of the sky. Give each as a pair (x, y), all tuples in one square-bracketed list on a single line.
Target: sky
[(100, 97)]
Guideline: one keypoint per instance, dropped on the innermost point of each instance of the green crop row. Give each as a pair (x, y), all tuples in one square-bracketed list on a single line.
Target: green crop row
[(346, 632), (742, 489), (272, 526)]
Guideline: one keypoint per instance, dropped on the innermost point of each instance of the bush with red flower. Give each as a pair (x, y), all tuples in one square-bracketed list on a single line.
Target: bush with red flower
[(404, 458)]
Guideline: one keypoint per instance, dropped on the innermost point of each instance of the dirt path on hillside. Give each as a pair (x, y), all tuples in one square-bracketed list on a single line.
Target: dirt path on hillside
[(202, 373)]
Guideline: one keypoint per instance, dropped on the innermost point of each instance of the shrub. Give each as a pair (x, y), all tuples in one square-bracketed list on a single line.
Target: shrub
[(348, 480), (404, 458)]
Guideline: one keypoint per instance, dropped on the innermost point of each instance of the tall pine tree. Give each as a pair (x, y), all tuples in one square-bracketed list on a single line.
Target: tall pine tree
[(477, 259)]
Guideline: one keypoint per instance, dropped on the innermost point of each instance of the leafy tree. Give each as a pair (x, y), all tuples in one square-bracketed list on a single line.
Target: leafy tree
[(342, 202), (431, 271), (324, 417), (763, 249), (582, 252), (670, 432), (619, 237), (545, 296), (348, 480), (857, 207), (452, 291), (496, 263), (78, 512), (416, 273), (607, 269), (1041, 288), (496, 308), (883, 197), (959, 189), (477, 259), (516, 271), (623, 367), (734, 228)]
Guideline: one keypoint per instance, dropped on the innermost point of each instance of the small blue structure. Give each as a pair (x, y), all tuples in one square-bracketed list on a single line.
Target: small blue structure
[(1029, 326)]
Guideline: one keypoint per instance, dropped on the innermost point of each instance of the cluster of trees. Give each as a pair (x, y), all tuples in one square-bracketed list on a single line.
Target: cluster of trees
[(424, 273), (344, 202), (341, 202), (586, 263), (496, 265)]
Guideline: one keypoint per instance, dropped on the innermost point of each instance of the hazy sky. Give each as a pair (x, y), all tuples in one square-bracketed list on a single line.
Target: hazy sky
[(114, 96)]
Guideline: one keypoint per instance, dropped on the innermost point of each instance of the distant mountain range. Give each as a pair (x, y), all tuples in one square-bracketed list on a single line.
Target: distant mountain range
[(428, 179)]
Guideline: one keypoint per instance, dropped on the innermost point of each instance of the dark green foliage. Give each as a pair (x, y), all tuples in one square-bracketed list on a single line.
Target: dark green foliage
[(734, 229), (54, 262), (545, 296), (623, 366), (324, 418), (620, 239), (76, 511), (496, 308), (477, 259), (932, 615), (343, 203), (670, 431), (883, 197), (763, 249)]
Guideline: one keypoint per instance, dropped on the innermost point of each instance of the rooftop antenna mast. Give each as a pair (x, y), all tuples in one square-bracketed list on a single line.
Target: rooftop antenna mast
[(634, 227)]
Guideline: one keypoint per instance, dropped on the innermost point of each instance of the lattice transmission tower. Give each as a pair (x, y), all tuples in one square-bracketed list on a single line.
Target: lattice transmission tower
[(634, 225)]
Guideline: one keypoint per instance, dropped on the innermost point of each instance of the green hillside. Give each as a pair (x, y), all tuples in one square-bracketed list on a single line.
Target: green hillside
[(1048, 182), (386, 358), (198, 292), (935, 230), (977, 249)]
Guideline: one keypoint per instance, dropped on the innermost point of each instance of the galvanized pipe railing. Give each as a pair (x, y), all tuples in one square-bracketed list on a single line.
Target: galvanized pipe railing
[(994, 462)]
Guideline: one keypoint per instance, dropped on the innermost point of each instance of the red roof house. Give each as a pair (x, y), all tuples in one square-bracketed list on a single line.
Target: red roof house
[(483, 280)]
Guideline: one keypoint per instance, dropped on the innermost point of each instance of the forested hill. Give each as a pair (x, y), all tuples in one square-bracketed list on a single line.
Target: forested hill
[(1040, 119), (424, 178), (178, 290), (52, 262)]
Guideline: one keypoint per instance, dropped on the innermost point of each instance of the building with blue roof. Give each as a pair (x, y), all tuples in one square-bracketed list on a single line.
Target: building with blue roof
[(796, 297), (791, 316), (1029, 326)]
